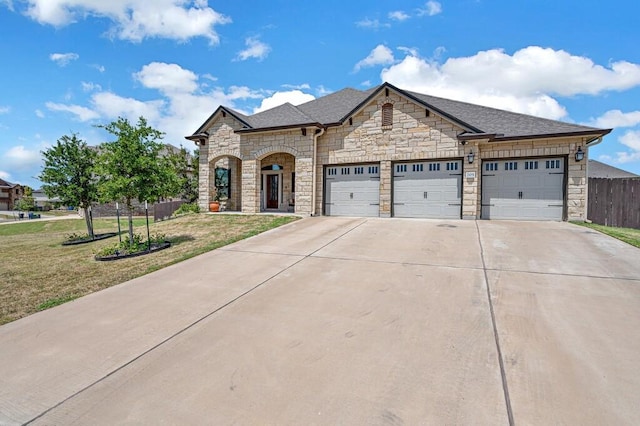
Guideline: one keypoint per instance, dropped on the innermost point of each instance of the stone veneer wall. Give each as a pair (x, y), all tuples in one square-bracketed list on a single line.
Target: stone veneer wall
[(412, 136)]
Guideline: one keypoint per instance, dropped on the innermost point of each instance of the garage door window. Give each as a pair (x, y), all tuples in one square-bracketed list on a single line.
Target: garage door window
[(401, 168), (434, 167), (373, 170), (452, 166), (346, 170), (358, 170), (553, 164), (491, 167), (418, 167), (511, 165), (332, 171), (531, 165)]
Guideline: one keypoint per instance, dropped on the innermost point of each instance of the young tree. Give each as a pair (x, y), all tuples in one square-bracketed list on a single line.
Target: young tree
[(131, 168), (68, 174)]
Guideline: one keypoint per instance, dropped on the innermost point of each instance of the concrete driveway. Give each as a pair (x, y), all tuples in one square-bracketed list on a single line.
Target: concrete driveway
[(348, 321)]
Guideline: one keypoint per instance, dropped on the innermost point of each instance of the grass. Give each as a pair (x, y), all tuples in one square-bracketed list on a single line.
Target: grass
[(628, 235), (39, 273)]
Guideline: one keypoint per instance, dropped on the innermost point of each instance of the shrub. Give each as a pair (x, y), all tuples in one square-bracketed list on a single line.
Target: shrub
[(128, 246), (187, 208)]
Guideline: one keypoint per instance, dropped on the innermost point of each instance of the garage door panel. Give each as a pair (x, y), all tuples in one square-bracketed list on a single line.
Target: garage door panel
[(523, 189), (427, 189), (352, 190)]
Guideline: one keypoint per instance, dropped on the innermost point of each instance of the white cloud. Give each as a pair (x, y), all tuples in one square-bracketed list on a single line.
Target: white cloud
[(90, 87), (63, 59), (210, 77), (631, 139), (135, 20), (366, 83), (526, 81), (295, 97), (4, 175), (39, 113), (4, 109), (380, 55), (373, 24), (21, 158), (8, 4), (100, 68), (408, 50), (167, 78), (297, 86), (255, 49), (82, 113), (398, 15), (616, 118), (431, 8)]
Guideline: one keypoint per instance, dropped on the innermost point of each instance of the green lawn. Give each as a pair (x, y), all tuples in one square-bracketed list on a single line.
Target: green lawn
[(38, 272), (628, 235)]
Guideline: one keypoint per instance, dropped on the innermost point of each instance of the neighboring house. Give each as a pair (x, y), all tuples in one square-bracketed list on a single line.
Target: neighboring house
[(389, 152), (596, 169), (43, 202), (10, 193)]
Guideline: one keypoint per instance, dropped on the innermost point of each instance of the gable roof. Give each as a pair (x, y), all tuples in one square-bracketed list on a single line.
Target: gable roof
[(6, 184), (597, 169), (478, 121)]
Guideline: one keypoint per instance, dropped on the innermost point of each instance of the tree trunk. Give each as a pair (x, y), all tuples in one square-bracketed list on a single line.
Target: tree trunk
[(87, 219), (130, 225)]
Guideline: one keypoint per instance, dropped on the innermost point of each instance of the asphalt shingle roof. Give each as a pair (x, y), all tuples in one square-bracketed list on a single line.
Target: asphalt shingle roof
[(601, 170), (334, 108)]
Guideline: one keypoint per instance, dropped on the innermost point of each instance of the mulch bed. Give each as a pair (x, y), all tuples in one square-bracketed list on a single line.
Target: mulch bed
[(96, 237), (154, 248)]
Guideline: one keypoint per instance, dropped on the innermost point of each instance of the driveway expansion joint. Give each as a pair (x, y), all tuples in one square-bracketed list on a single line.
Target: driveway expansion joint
[(503, 374)]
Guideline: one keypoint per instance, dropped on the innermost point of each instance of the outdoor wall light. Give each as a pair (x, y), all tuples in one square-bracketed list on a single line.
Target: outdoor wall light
[(579, 154), (470, 157)]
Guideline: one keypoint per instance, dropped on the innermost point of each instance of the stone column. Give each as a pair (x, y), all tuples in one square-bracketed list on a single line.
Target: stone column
[(471, 175), (304, 185), (577, 185), (203, 178), (386, 171), (250, 186)]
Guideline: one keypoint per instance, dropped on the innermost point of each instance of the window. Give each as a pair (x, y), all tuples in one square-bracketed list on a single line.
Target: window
[(530, 165), (332, 171), (418, 167), (346, 170), (373, 170), (511, 165), (490, 167), (553, 164), (401, 168), (221, 182), (387, 115), (293, 181), (452, 166), (358, 170), (434, 167)]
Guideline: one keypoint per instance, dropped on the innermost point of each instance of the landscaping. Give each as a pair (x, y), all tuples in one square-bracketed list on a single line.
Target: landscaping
[(38, 273), (628, 235)]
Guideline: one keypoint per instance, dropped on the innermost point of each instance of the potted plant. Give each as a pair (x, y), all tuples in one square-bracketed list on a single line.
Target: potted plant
[(214, 204)]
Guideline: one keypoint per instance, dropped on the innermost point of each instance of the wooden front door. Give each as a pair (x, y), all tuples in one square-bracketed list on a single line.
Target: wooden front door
[(272, 192)]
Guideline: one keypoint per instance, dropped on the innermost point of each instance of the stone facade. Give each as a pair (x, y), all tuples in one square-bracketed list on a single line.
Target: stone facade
[(415, 134)]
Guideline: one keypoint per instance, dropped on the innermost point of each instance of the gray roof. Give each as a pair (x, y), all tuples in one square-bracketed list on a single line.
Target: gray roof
[(477, 120), (601, 170)]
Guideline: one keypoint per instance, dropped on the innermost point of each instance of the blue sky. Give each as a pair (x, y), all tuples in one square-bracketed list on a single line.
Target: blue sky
[(71, 64)]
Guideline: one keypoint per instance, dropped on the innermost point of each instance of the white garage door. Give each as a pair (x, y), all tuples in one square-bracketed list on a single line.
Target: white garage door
[(428, 189), (523, 189), (352, 190)]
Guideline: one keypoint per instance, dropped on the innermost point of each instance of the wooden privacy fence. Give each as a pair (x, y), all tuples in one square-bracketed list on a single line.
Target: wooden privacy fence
[(163, 211), (614, 202)]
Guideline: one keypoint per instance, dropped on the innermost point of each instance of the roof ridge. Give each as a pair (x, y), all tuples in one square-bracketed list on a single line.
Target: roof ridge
[(499, 110)]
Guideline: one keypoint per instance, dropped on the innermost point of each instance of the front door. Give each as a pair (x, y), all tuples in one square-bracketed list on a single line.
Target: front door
[(272, 192)]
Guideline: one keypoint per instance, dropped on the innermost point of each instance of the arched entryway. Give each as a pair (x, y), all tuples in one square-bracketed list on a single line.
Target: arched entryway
[(277, 182)]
